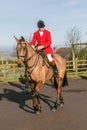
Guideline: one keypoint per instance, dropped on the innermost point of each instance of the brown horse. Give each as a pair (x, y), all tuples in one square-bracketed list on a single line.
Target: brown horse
[(38, 71)]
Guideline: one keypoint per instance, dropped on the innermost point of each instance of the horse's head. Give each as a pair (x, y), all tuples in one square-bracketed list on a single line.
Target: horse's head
[(21, 50)]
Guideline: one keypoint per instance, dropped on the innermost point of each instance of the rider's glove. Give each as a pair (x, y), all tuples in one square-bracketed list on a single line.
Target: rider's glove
[(40, 47)]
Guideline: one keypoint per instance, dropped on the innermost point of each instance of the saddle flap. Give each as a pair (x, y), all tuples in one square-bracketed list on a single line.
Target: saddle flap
[(45, 59)]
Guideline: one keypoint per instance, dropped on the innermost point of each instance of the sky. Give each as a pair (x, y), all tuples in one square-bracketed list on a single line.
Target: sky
[(19, 18)]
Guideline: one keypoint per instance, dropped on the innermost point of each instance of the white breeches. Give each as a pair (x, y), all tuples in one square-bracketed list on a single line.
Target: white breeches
[(50, 58)]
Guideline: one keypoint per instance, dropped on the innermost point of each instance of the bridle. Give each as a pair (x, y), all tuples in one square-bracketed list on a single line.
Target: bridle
[(25, 59)]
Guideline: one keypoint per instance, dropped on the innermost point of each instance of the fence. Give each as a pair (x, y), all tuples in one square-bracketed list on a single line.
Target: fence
[(77, 67), (9, 72)]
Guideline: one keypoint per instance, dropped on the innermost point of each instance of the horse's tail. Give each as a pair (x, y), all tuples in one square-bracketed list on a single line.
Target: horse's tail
[(65, 80)]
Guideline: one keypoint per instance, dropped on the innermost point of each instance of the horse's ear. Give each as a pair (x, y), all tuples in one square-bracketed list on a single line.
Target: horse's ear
[(22, 38), (16, 39)]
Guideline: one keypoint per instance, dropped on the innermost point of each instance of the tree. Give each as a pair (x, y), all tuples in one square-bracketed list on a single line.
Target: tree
[(83, 53), (73, 36)]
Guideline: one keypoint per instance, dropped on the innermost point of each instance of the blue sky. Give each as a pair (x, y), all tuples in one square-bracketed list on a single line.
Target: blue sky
[(19, 17)]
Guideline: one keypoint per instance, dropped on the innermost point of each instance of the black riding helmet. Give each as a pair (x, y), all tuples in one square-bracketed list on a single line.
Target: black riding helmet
[(40, 24)]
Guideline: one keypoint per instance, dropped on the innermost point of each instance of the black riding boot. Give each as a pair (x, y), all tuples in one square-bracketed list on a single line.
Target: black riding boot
[(55, 70)]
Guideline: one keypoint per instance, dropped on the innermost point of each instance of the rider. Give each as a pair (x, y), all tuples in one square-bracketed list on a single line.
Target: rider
[(42, 41)]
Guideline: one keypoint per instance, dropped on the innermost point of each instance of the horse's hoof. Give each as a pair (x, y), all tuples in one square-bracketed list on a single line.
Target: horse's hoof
[(61, 104), (38, 112), (54, 108)]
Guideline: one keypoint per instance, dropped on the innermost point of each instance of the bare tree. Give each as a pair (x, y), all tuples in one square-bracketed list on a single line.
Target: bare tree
[(73, 36)]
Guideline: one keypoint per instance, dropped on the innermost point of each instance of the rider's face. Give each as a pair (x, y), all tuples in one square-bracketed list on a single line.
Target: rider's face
[(41, 29)]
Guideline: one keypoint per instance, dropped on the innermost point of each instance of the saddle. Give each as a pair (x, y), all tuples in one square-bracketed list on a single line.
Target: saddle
[(45, 59)]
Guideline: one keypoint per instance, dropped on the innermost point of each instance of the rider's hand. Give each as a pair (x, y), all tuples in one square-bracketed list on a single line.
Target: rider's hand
[(40, 47)]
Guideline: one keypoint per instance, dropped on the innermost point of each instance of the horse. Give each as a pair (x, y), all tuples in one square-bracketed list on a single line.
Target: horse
[(38, 71)]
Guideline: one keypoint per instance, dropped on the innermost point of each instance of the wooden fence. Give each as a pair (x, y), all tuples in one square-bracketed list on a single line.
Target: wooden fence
[(10, 71), (77, 67)]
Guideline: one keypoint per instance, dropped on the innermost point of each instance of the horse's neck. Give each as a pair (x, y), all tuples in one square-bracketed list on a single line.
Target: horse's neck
[(30, 49), (30, 52)]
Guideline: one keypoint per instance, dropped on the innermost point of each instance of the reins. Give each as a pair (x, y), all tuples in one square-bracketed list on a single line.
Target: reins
[(33, 66), (30, 58)]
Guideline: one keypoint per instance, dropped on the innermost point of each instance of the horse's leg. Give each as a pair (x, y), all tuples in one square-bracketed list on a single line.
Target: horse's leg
[(36, 103), (38, 107), (59, 92), (35, 96), (55, 84), (34, 99), (37, 88)]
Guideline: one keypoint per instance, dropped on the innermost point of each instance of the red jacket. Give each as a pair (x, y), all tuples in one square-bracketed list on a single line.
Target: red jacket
[(45, 40)]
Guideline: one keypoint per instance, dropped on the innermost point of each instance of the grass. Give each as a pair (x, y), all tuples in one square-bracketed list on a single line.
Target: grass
[(82, 75)]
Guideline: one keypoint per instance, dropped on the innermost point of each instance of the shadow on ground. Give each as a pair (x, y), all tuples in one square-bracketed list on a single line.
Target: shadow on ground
[(20, 97)]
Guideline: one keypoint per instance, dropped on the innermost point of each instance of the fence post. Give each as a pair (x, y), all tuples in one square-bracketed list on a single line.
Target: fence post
[(76, 66)]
